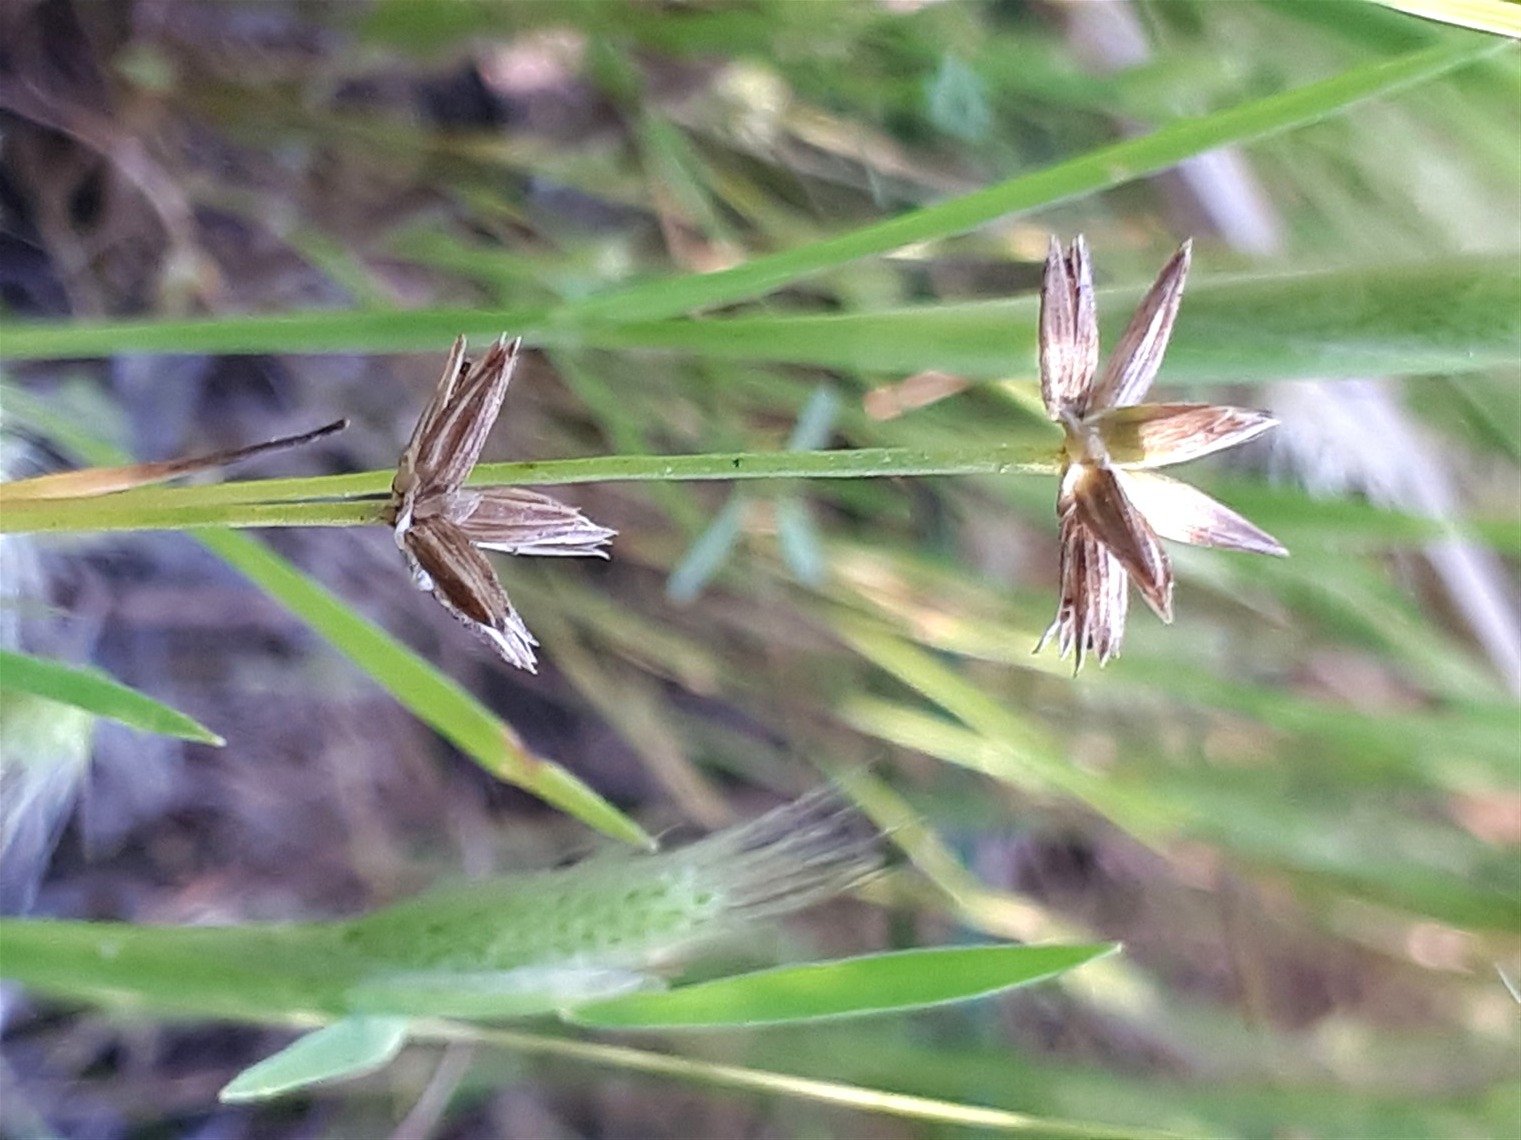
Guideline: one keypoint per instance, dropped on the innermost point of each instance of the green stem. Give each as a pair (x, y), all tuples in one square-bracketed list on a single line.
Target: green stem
[(119, 512), (290, 502)]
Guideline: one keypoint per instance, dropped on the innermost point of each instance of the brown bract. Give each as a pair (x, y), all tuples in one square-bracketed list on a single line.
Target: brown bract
[(92, 481), (1112, 507), (439, 524)]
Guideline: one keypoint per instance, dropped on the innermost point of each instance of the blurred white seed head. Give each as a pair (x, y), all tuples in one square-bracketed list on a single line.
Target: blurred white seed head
[(45, 747)]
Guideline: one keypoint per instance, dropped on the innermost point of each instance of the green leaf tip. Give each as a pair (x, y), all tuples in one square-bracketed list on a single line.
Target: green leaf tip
[(351, 1047), (94, 692)]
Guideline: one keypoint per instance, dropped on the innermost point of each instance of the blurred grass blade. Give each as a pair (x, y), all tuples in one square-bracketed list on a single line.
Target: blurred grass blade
[(957, 101), (1452, 315), (816, 421), (884, 1101), (258, 972), (798, 535), (1095, 170), (802, 548), (429, 694), (1458, 315), (708, 554), (1510, 986), (351, 1047), (871, 984), (1018, 750), (1499, 17), (94, 692)]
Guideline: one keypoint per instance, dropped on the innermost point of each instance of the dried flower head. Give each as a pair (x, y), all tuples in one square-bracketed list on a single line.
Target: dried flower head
[(1113, 509), (439, 524)]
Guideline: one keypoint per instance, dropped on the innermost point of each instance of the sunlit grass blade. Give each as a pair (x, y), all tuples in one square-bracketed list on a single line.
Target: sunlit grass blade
[(1500, 17), (871, 984), (94, 692), (1443, 748), (1021, 752), (419, 687)]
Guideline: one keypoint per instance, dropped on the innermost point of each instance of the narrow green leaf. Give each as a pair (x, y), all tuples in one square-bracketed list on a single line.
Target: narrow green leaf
[(94, 692), (348, 1048), (852, 987), (429, 694)]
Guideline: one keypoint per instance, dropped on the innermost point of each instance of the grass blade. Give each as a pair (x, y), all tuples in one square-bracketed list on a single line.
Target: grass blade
[(1458, 315), (427, 693), (94, 692), (351, 1047), (870, 984)]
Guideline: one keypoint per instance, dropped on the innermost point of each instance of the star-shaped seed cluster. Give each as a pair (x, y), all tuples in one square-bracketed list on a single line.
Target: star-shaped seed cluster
[(1114, 509), (441, 526)]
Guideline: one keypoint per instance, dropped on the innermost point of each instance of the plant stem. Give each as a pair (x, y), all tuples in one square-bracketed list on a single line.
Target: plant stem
[(353, 500)]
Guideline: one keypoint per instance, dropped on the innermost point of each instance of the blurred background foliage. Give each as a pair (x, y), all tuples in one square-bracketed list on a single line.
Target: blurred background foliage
[(1297, 807)]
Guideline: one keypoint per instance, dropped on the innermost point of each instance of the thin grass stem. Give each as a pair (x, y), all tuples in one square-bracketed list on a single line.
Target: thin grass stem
[(354, 500)]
